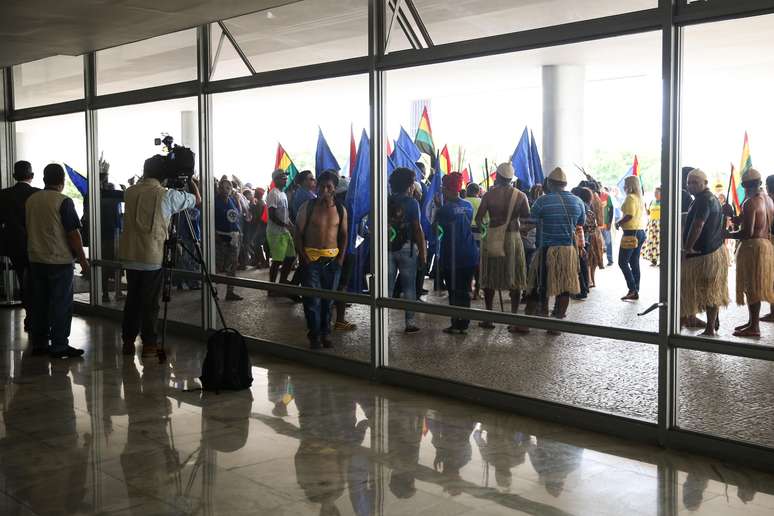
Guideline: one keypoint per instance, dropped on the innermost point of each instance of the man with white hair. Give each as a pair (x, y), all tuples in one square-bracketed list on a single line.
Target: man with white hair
[(705, 260), (755, 257), (503, 266)]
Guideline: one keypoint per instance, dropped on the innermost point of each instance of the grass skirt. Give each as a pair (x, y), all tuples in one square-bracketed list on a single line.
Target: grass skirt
[(704, 282), (562, 270), (755, 271), (507, 272)]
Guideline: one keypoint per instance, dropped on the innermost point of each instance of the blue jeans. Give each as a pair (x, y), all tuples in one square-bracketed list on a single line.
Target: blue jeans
[(629, 260), (52, 305), (608, 238), (404, 262), (323, 274)]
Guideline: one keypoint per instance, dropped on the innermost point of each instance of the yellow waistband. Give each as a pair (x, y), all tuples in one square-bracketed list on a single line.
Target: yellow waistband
[(315, 254)]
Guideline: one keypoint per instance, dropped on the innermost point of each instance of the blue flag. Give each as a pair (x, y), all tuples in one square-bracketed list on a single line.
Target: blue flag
[(324, 158), (80, 182), (534, 159), (521, 161), (358, 198), (406, 154), (426, 217)]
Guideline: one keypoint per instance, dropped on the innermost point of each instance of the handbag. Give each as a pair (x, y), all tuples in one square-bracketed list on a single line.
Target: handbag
[(629, 242), (495, 236)]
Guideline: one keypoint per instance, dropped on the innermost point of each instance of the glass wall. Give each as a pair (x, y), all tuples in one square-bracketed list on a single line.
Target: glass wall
[(595, 108), (59, 139), (153, 62), (48, 81), (592, 109), (297, 34)]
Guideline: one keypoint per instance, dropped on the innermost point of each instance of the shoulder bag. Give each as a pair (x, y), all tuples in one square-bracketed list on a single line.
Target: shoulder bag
[(495, 236)]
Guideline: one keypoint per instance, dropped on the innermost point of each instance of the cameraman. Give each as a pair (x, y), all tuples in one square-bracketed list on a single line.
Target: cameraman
[(149, 208)]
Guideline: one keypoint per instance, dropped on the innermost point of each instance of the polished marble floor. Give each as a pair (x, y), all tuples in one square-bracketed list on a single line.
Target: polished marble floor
[(115, 435)]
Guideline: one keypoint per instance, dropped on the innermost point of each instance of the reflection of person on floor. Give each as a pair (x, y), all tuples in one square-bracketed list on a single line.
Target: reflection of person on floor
[(321, 240), (279, 392), (693, 489), (459, 254), (227, 234), (553, 462), (755, 257), (46, 489), (705, 260), (452, 449), (504, 449), (149, 465), (329, 437), (405, 426), (503, 266)]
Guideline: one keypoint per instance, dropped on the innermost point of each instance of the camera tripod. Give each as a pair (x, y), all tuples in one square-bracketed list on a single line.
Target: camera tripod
[(169, 262)]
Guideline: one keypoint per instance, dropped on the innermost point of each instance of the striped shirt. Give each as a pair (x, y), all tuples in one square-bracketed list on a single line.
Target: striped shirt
[(556, 215)]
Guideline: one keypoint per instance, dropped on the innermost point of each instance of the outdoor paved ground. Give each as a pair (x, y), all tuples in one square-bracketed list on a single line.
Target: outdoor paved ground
[(601, 374)]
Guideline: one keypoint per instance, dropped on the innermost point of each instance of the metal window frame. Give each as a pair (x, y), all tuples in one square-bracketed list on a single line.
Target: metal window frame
[(669, 18)]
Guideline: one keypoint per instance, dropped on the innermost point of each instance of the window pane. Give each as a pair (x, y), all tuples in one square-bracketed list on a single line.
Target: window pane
[(301, 33), (48, 81), (605, 375), (126, 140), (157, 61), (281, 320), (601, 114), (460, 21), (58, 139), (247, 152), (720, 130), (726, 396)]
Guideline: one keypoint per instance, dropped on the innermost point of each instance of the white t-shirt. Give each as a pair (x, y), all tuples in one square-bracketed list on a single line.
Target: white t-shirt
[(277, 199)]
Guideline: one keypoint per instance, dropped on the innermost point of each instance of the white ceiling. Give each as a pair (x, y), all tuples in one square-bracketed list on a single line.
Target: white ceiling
[(34, 29)]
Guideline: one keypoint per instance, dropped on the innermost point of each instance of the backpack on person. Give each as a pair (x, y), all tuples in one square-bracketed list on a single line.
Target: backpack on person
[(227, 365), (399, 229)]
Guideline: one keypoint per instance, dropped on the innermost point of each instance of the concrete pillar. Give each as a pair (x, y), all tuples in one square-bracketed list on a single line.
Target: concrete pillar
[(189, 130), (563, 101)]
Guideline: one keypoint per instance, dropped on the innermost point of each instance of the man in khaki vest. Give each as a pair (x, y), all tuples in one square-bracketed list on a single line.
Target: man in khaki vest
[(53, 243), (149, 207)]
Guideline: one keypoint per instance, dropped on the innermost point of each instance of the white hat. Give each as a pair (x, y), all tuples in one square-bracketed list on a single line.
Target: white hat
[(505, 170), (557, 175)]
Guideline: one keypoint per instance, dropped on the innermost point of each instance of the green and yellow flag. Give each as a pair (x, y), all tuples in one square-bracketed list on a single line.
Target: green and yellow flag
[(424, 138), (284, 162)]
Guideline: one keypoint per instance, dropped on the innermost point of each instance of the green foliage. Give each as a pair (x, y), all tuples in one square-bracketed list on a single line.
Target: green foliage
[(608, 166)]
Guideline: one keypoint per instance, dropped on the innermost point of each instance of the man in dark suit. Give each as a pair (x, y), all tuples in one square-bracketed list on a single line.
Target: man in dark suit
[(13, 227)]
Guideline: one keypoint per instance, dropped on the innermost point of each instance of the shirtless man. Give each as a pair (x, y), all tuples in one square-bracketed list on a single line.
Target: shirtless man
[(321, 241), (503, 266), (755, 257)]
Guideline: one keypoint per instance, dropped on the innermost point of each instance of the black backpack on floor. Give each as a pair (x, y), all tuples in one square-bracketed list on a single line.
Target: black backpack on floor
[(227, 364)]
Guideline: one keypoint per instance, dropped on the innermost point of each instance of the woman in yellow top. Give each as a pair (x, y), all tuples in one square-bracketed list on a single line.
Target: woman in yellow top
[(651, 251), (633, 226)]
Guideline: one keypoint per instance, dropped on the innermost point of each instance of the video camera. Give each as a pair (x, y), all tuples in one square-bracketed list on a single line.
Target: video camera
[(179, 163)]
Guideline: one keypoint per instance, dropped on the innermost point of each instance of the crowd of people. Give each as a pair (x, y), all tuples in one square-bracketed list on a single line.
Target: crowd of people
[(542, 245)]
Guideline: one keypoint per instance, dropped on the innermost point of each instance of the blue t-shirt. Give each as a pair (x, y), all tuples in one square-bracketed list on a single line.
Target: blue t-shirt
[(556, 215), (458, 249), (67, 212), (226, 215), (410, 207)]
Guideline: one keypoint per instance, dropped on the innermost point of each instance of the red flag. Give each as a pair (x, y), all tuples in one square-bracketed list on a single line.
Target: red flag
[(389, 147), (465, 176), (352, 150), (732, 189), (636, 167), (445, 160)]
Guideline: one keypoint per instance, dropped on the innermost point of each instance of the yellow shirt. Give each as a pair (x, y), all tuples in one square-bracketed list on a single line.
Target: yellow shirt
[(633, 206), (655, 210)]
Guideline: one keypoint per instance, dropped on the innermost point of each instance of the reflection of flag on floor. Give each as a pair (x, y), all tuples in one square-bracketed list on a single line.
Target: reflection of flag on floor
[(80, 182), (284, 162), (424, 137)]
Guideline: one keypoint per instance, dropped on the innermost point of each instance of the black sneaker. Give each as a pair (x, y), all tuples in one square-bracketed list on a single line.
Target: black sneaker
[(68, 352), (233, 297)]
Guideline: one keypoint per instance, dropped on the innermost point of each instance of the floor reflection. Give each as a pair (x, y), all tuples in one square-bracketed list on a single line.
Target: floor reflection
[(111, 435)]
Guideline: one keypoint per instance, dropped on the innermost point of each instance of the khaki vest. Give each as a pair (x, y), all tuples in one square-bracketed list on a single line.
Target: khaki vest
[(145, 228), (46, 238)]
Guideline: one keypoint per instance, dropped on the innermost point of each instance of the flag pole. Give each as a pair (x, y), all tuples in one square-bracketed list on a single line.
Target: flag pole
[(486, 172), (728, 192)]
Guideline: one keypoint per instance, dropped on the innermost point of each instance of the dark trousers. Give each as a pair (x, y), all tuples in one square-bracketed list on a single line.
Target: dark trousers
[(21, 266), (52, 305), (458, 285), (584, 272), (141, 308), (629, 260), (322, 274)]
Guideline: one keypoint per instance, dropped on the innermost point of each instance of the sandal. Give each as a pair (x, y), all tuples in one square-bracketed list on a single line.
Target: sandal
[(518, 329), (747, 332), (345, 326)]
